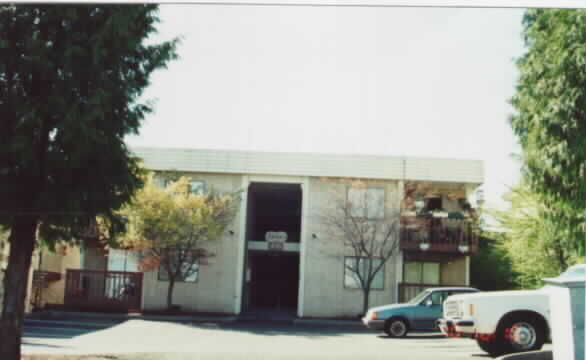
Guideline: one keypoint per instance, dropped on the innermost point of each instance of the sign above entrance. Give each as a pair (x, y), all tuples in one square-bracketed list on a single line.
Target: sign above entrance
[(276, 240), (276, 236)]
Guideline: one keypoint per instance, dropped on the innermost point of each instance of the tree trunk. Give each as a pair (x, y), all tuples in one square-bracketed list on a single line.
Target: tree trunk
[(170, 294), (22, 242), (365, 300)]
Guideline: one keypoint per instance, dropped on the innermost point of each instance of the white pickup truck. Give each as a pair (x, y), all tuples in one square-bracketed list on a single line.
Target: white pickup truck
[(501, 322)]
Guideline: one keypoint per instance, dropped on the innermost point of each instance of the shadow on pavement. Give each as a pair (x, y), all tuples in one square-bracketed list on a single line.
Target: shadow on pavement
[(64, 328), (414, 337), (286, 329), (27, 343)]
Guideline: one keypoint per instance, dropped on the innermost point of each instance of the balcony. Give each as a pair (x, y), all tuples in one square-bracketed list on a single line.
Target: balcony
[(438, 235)]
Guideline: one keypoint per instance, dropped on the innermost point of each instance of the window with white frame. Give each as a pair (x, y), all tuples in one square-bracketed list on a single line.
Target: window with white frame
[(197, 187), (359, 265), (422, 273), (123, 260), (189, 267), (193, 270), (367, 203)]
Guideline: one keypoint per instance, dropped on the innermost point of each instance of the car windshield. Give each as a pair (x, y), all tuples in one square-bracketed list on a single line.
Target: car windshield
[(422, 295)]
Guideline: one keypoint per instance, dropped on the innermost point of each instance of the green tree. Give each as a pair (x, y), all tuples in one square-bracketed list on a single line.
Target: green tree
[(172, 227), (491, 268), (70, 82), (550, 113), (534, 242)]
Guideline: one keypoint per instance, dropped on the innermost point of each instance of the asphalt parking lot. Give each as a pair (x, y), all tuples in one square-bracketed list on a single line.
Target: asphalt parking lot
[(153, 340)]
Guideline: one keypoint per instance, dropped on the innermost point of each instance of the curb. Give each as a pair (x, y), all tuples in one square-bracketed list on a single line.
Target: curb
[(114, 319), (531, 355), (324, 322), (70, 324)]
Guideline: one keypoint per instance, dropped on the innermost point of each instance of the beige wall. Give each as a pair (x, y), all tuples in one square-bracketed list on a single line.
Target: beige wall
[(215, 288), (324, 293), (454, 271), (94, 259), (58, 262)]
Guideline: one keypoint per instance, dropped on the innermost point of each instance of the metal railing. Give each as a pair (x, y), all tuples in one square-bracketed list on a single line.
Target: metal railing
[(117, 291), (440, 235)]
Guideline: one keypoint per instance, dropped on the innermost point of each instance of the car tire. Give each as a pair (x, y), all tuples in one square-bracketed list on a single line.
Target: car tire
[(519, 334), (396, 327), (491, 347)]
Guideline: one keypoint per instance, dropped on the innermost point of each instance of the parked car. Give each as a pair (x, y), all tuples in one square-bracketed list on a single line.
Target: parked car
[(419, 314), (502, 322)]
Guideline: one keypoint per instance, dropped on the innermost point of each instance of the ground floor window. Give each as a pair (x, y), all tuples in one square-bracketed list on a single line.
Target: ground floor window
[(191, 269), (355, 266), (422, 273), (123, 260)]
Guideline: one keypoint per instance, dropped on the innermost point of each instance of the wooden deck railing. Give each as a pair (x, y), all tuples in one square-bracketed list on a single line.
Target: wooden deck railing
[(438, 235), (116, 291)]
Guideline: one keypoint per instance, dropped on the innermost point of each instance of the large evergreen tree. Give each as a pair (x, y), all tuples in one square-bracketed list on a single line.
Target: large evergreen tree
[(550, 117), (70, 81), (535, 243)]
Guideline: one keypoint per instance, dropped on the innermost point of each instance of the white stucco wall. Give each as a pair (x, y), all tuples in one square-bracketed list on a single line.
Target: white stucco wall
[(214, 290), (58, 262), (324, 293)]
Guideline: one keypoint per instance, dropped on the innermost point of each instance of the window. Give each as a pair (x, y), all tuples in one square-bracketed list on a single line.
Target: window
[(123, 260), (189, 267), (422, 273), (197, 187), (368, 203), (351, 278), (433, 204), (163, 276), (438, 297)]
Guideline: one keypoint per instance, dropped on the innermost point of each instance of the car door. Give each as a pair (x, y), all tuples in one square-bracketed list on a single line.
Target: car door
[(430, 310)]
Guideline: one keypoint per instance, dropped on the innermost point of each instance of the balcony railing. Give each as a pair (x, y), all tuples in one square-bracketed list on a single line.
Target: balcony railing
[(116, 291), (442, 235)]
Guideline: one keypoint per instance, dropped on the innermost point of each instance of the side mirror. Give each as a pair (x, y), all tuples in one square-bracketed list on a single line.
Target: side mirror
[(428, 302)]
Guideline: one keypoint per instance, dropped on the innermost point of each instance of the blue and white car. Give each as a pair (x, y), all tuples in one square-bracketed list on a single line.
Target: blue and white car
[(419, 314)]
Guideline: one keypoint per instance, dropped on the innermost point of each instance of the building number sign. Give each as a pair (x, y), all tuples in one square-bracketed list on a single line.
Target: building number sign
[(276, 240)]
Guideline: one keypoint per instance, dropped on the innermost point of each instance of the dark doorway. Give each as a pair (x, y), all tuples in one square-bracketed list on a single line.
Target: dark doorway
[(274, 280), (273, 207)]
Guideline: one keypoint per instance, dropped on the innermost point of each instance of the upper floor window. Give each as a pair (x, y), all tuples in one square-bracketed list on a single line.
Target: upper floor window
[(367, 203), (197, 187)]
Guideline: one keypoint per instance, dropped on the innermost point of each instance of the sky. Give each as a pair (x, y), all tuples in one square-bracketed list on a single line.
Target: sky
[(431, 82)]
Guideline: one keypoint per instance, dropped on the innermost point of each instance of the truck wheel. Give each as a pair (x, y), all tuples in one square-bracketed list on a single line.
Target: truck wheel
[(520, 334), (489, 346), (396, 327)]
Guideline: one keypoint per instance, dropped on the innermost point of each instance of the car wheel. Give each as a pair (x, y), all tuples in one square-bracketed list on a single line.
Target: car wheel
[(489, 346), (520, 334), (396, 327)]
